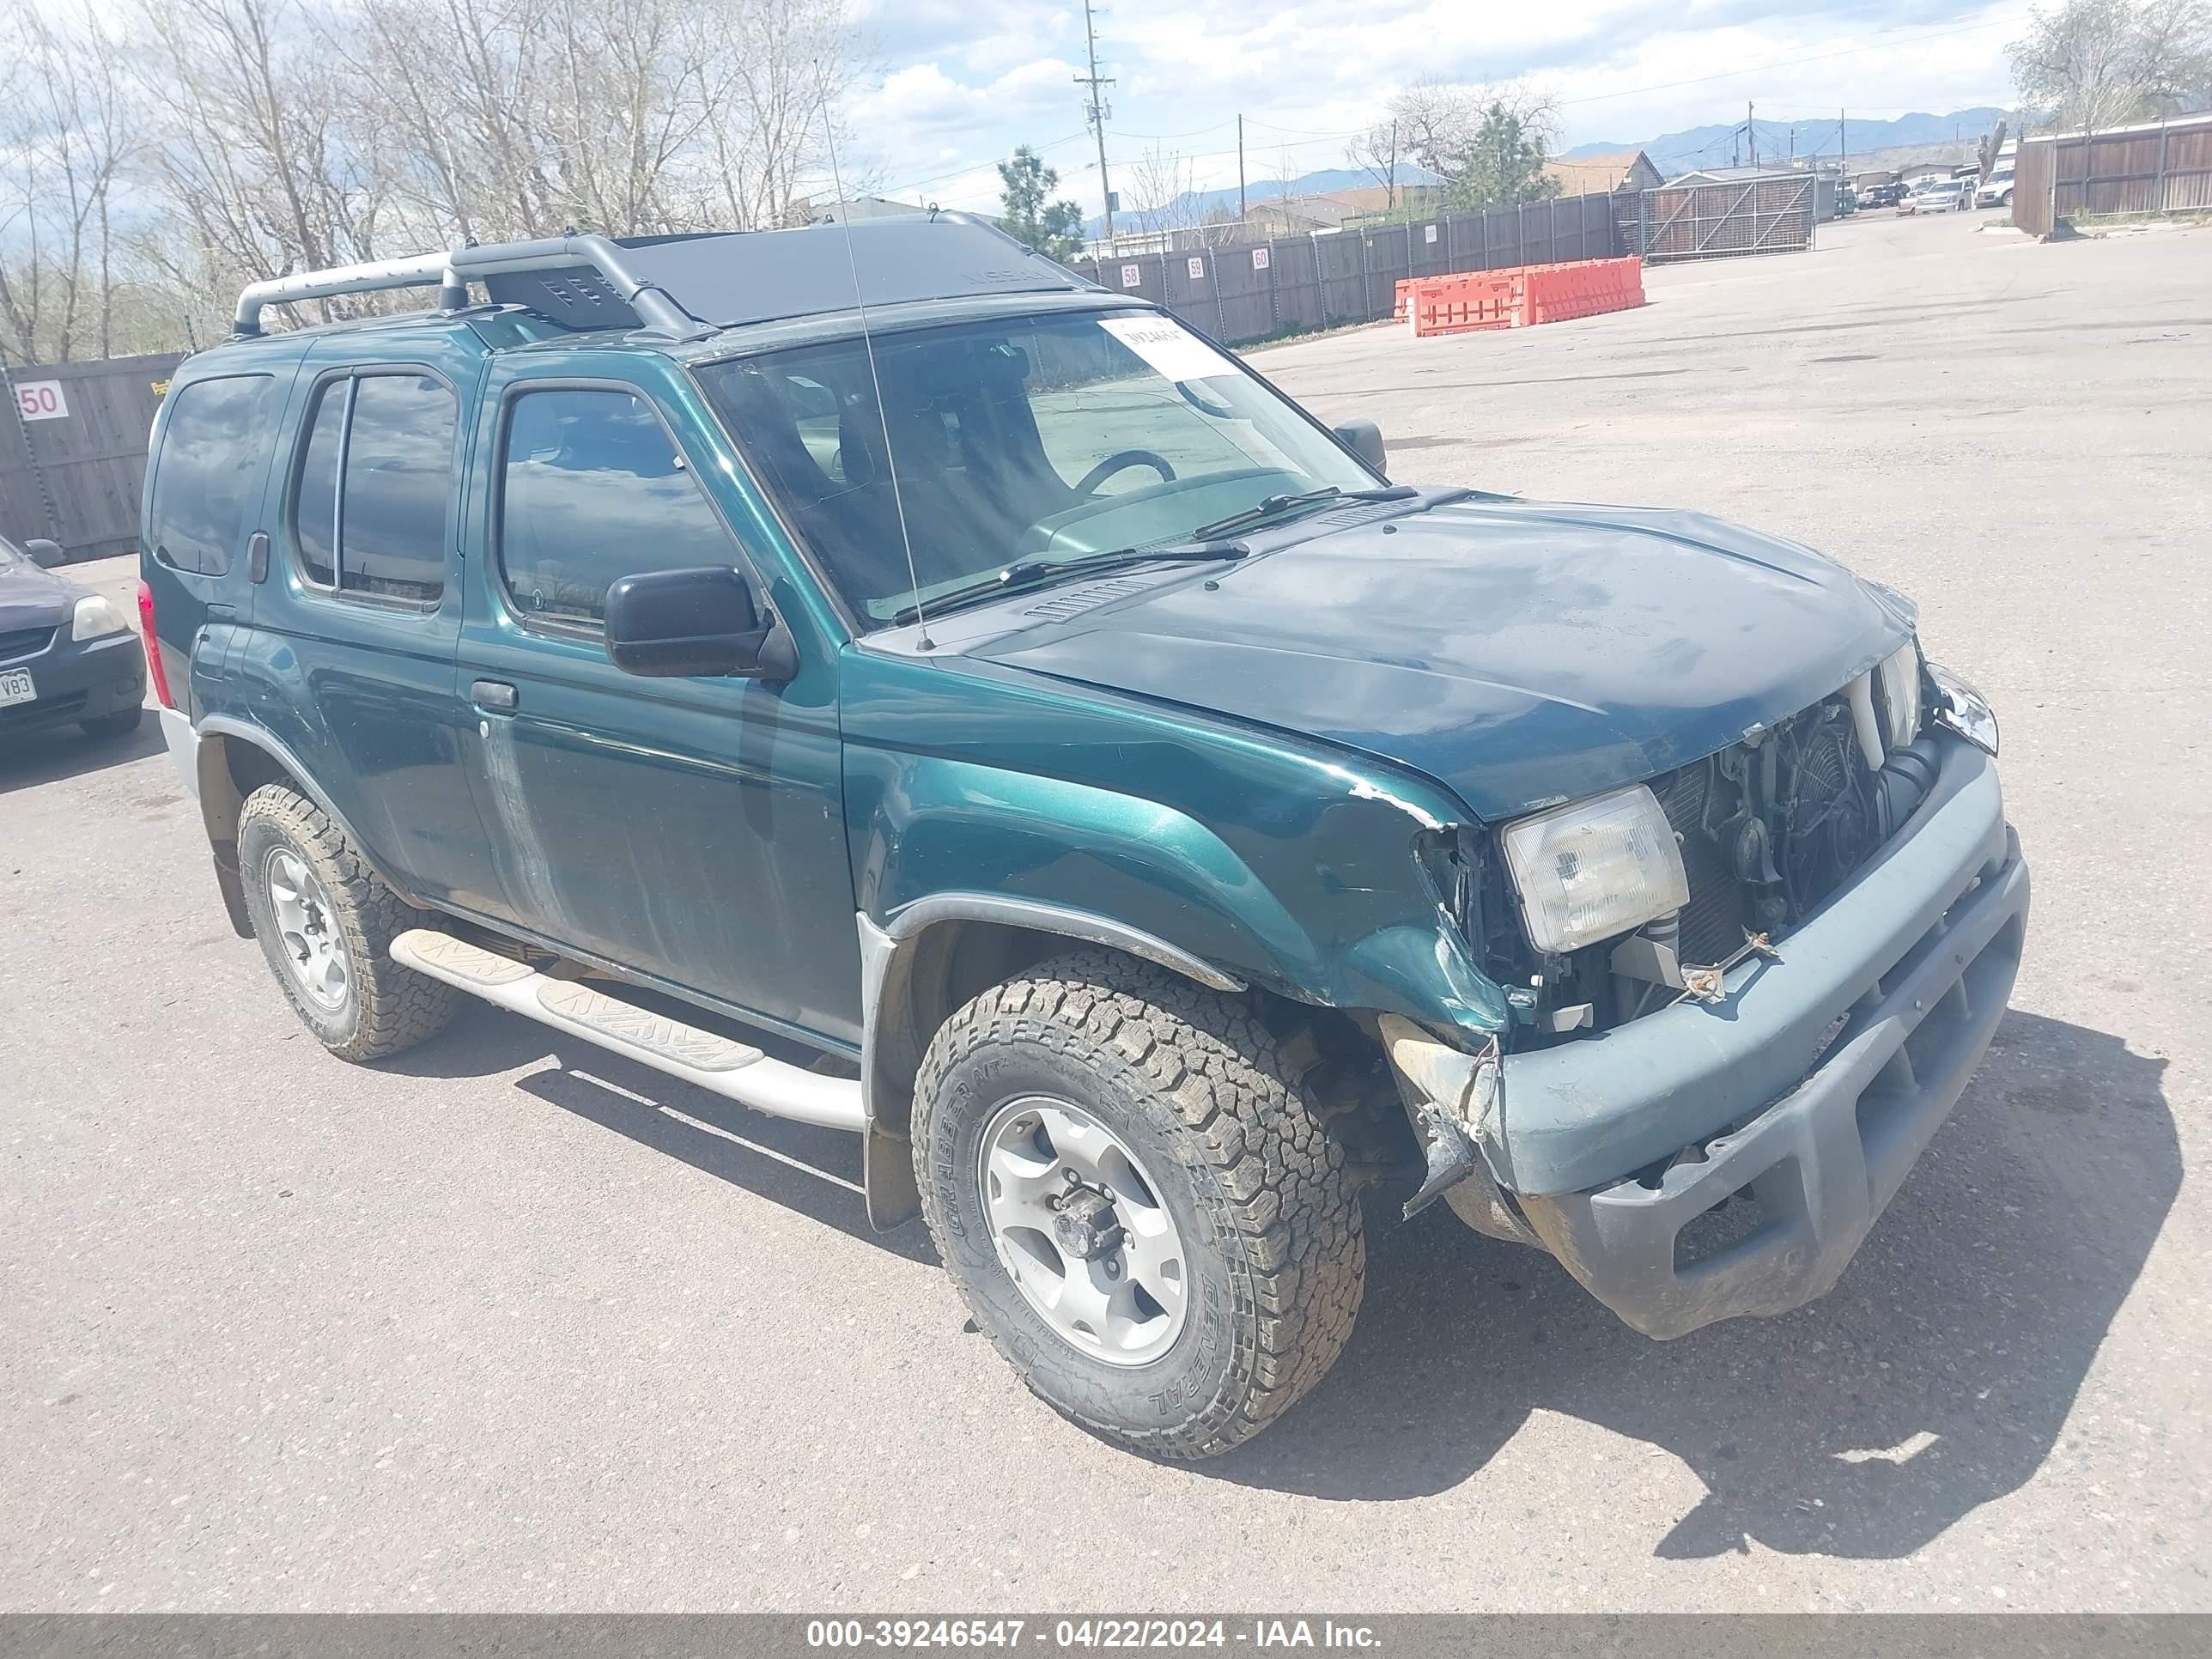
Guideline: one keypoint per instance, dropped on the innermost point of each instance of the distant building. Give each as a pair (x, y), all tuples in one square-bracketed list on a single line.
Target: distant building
[(1596, 175), (1729, 175)]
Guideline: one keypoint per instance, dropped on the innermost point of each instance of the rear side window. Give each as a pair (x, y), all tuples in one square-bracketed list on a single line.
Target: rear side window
[(373, 512), (207, 480), (592, 491)]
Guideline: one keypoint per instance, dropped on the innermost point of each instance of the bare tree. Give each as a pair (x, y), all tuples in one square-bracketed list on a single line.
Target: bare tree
[(68, 133), (252, 150), (1375, 153), (261, 136), (1160, 192), (2101, 62), (1438, 119)]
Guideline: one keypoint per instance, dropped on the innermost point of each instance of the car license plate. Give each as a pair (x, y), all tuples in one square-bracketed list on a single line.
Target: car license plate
[(15, 686)]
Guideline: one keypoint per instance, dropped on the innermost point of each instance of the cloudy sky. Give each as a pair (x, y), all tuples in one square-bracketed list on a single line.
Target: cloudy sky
[(960, 83)]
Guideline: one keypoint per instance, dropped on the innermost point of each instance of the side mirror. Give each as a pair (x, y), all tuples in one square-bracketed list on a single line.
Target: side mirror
[(676, 623), (1364, 440), (43, 552)]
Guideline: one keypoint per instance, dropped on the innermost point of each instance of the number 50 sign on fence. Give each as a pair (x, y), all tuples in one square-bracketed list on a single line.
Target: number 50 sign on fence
[(40, 400)]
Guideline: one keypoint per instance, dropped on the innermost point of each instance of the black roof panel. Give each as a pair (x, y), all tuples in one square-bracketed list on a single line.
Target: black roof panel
[(727, 279)]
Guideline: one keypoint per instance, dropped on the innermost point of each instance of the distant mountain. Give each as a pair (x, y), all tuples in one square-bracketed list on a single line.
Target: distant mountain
[(1722, 146), (1192, 206)]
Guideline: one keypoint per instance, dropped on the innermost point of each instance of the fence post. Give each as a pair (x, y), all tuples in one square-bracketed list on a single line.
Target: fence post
[(1220, 319), (31, 454), (2158, 181), (1366, 288), (1274, 308), (1482, 224)]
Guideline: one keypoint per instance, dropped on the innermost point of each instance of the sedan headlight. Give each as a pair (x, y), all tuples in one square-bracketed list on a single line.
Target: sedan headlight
[(95, 619), (1963, 709), (1597, 868), (1899, 677)]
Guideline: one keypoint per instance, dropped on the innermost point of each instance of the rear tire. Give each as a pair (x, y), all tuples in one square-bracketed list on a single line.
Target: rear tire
[(118, 725), (330, 946), (1199, 1114)]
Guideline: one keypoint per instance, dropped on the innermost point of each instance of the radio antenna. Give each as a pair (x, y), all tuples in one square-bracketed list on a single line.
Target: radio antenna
[(922, 642)]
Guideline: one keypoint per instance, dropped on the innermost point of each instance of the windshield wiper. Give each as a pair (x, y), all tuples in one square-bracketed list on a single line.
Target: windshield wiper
[(1026, 573), (1273, 505)]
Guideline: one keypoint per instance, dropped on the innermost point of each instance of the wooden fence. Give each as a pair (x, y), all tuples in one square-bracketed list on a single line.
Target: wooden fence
[(73, 452), (2164, 168), (1249, 291)]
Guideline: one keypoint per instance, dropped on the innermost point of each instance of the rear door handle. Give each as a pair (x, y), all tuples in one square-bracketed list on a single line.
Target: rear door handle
[(493, 697)]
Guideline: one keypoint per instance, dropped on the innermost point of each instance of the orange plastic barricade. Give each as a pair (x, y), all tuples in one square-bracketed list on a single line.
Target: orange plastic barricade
[(1459, 305), (1520, 297)]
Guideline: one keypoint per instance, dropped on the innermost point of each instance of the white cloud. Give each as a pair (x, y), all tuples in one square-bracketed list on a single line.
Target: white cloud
[(967, 82)]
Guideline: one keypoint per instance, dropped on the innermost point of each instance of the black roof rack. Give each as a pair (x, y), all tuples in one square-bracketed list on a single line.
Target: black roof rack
[(686, 286)]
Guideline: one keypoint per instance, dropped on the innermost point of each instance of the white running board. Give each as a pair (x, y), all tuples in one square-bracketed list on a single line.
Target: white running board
[(713, 1062)]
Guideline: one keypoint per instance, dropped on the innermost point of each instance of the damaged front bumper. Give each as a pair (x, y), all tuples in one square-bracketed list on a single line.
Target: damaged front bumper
[(1812, 1088)]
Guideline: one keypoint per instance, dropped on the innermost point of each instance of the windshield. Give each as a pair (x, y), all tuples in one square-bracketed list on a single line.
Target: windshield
[(1038, 438)]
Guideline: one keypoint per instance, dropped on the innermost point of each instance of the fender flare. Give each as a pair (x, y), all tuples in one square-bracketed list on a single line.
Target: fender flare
[(887, 952), (223, 837)]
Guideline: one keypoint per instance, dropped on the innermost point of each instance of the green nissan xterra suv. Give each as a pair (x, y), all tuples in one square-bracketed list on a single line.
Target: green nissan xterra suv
[(896, 685)]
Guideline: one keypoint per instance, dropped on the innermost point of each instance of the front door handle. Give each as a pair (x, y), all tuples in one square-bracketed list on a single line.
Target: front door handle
[(493, 697)]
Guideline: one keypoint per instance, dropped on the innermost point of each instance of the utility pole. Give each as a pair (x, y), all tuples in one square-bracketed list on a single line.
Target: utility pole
[(1096, 114), (1240, 168), (1751, 127), (1843, 147)]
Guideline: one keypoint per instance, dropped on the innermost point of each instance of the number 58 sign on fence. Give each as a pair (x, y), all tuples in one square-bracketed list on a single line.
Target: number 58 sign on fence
[(40, 400)]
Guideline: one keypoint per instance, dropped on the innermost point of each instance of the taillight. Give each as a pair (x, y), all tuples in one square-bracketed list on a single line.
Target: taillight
[(153, 644)]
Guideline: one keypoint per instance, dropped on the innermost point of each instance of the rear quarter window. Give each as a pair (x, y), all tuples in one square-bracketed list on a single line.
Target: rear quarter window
[(207, 479)]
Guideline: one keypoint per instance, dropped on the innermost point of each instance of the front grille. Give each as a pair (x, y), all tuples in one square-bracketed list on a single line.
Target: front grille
[(24, 642), (1715, 919), (1795, 813)]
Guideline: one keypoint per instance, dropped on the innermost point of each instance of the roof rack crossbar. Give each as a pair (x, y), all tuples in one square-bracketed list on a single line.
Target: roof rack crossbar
[(418, 271), (451, 272)]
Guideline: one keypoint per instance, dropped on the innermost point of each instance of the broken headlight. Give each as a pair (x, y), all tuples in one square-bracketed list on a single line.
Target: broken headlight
[(1963, 709), (1898, 678), (1599, 867)]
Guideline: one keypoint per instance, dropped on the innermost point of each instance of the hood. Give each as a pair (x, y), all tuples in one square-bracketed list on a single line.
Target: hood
[(31, 596), (1520, 655)]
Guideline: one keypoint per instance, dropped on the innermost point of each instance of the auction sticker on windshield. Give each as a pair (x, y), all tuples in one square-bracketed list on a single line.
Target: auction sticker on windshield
[(16, 687), (1169, 348)]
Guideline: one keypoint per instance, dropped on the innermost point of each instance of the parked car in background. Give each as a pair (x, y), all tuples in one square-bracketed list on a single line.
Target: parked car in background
[(1939, 196), (1995, 190), (1880, 195), (67, 655)]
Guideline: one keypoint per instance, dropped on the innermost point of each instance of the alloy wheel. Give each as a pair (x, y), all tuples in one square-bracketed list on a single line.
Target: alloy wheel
[(1080, 1226)]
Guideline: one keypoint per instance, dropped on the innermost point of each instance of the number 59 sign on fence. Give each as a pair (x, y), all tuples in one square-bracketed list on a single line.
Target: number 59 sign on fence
[(40, 400)]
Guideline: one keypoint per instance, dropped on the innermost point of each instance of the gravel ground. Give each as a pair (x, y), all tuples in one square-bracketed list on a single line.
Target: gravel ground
[(512, 1324)]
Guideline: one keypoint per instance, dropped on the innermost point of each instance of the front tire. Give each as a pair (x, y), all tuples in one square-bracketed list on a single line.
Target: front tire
[(1202, 1265), (326, 922)]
